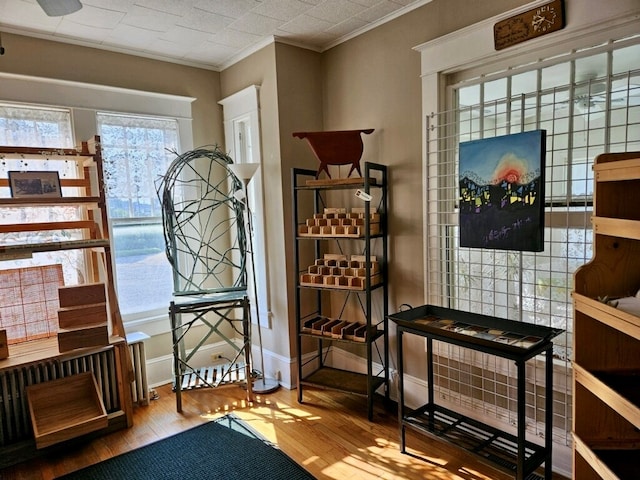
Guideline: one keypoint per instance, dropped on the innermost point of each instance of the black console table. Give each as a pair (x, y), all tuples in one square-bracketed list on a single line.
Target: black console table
[(509, 339)]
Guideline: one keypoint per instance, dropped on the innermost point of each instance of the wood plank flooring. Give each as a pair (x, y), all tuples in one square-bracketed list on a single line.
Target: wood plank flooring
[(328, 434)]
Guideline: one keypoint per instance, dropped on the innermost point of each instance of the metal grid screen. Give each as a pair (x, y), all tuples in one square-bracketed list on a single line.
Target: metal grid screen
[(583, 115)]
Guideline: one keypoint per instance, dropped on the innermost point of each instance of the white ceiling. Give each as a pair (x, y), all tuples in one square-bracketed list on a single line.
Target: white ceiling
[(205, 33)]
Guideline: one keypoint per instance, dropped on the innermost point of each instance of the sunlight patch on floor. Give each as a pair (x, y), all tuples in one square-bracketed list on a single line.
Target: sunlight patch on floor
[(265, 418), (311, 460), (384, 468), (386, 448), (352, 446)]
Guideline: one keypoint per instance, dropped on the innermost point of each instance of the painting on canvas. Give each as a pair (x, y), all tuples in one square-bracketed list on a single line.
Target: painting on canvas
[(502, 192)]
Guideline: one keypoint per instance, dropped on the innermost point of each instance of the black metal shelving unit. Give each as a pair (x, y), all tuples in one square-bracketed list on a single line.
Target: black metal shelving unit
[(319, 299)]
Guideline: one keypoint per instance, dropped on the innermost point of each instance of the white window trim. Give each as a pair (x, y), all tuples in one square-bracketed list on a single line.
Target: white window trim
[(244, 106)]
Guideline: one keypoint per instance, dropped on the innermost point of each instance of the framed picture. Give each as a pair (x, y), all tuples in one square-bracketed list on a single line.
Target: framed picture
[(34, 184), (502, 192)]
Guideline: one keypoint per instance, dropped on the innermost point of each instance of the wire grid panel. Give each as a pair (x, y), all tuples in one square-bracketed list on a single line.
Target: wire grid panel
[(486, 384), (29, 302), (527, 286)]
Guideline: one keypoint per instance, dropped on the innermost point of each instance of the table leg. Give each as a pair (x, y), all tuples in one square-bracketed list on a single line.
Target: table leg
[(521, 409), (548, 427), (401, 392)]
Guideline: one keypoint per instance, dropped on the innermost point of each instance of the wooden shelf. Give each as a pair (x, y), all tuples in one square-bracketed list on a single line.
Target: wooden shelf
[(617, 227), (341, 380), (70, 405), (617, 170), (620, 320), (48, 226), (65, 408), (36, 351), (619, 389), (338, 183), (606, 366), (48, 201), (487, 443), (25, 250), (50, 153), (612, 464)]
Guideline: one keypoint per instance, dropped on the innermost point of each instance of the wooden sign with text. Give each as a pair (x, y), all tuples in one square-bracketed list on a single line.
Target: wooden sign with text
[(533, 23)]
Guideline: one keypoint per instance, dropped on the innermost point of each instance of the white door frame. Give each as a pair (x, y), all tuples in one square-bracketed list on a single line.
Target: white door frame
[(241, 113)]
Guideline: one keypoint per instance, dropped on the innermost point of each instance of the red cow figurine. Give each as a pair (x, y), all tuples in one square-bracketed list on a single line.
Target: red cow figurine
[(340, 147)]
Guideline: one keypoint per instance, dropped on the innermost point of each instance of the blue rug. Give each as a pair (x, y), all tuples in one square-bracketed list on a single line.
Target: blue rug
[(226, 449)]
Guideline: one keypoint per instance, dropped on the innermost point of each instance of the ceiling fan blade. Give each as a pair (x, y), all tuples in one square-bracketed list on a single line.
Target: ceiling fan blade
[(58, 8)]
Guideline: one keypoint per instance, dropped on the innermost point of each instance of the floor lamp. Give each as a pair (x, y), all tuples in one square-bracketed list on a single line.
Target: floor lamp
[(245, 172)]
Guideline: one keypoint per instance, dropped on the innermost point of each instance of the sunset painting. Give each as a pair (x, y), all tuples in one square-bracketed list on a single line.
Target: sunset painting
[(502, 192)]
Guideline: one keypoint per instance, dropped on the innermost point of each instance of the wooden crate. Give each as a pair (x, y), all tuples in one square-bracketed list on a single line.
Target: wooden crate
[(336, 330), (340, 224), (316, 328), (340, 273), (82, 315), (81, 337), (326, 328), (65, 408), (84, 294)]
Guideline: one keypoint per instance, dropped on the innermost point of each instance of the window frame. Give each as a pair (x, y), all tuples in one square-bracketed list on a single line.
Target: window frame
[(126, 121), (84, 100), (469, 53), (564, 211), (241, 112)]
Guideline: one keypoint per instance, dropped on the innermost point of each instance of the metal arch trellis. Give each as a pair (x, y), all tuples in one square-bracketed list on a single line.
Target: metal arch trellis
[(203, 223), (206, 245)]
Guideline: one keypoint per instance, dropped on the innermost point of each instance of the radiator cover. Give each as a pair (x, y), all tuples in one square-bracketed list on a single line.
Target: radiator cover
[(15, 423)]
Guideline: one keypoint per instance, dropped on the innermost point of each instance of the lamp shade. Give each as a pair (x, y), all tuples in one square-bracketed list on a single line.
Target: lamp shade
[(244, 171), (58, 8)]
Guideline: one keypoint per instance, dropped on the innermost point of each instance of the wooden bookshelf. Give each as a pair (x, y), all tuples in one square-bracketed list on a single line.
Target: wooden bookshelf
[(64, 399), (606, 364)]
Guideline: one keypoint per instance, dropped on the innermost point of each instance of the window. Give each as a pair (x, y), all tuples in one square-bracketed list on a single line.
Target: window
[(136, 151), (35, 127), (589, 103)]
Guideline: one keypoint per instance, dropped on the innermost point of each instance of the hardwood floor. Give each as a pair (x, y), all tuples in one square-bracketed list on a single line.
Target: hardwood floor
[(329, 435)]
